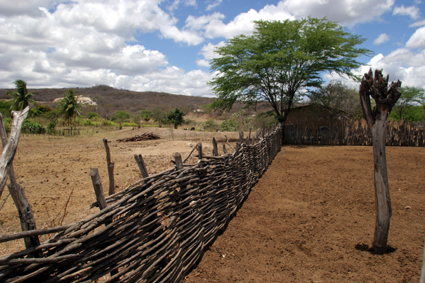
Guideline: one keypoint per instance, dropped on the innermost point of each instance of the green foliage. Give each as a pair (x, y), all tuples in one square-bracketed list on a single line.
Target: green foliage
[(336, 99), (211, 125), (21, 98), (51, 127), (229, 126), (5, 108), (175, 117), (92, 115), (39, 110), (107, 123), (69, 107), (158, 115), (281, 58), (7, 124), (121, 116), (146, 115), (32, 128), (129, 124), (264, 120), (408, 105)]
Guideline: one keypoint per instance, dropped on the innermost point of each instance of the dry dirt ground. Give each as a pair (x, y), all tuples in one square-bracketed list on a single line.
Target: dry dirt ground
[(301, 222)]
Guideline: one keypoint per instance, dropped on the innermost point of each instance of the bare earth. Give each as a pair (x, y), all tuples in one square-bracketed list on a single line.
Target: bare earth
[(301, 222)]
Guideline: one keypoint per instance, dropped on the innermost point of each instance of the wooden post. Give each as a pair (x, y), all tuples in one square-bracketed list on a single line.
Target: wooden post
[(199, 148), (215, 149), (110, 168), (26, 214), (141, 164), (377, 88), (98, 190), (178, 160), (241, 137), (224, 149)]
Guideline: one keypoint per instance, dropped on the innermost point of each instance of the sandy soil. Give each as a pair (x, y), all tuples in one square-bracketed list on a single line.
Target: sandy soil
[(301, 222), (304, 218)]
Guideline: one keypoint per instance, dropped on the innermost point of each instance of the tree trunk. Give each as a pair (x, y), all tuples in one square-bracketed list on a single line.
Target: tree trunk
[(382, 193)]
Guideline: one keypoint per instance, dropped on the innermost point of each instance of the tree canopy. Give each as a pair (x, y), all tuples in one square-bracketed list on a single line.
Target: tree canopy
[(337, 100), (69, 106), (409, 105), (279, 60), (175, 117), (21, 97)]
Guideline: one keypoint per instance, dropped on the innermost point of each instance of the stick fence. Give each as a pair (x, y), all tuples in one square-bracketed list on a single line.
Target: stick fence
[(156, 229)]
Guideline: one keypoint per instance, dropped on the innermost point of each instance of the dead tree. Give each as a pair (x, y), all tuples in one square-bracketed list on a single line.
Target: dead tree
[(377, 120)]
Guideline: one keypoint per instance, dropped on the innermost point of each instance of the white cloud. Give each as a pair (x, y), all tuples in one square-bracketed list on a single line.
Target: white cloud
[(23, 7), (382, 38), (203, 63), (347, 12), (417, 24), (412, 11), (214, 4), (208, 50), (243, 23), (417, 40)]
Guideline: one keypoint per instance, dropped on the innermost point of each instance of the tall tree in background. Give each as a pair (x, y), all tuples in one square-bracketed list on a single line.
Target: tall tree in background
[(279, 60), (410, 96), (21, 97), (175, 117), (69, 106), (337, 100), (377, 120)]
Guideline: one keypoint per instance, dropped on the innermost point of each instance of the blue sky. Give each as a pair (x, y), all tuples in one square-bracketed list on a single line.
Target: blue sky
[(154, 45)]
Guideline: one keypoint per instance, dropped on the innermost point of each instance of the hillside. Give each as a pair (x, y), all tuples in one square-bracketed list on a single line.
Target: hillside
[(109, 99)]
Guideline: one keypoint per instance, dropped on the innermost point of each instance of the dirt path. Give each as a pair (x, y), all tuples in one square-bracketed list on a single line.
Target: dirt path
[(305, 216)]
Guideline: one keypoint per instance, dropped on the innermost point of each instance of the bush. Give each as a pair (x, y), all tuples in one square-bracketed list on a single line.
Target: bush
[(229, 126), (7, 124), (51, 127), (32, 128), (91, 115), (129, 125), (107, 123)]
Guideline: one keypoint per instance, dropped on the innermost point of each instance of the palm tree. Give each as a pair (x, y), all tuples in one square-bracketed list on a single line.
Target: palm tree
[(21, 97), (69, 107)]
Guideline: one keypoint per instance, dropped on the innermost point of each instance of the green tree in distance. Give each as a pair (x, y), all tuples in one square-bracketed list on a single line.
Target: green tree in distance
[(121, 117), (21, 97), (337, 100), (158, 115), (410, 97), (69, 106), (146, 115), (175, 117), (279, 60)]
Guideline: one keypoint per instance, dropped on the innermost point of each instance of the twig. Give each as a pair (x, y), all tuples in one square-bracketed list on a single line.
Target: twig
[(195, 147), (4, 201), (227, 141), (66, 206)]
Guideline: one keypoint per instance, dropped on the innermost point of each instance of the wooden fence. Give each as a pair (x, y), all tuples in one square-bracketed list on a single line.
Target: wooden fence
[(153, 231), (355, 133)]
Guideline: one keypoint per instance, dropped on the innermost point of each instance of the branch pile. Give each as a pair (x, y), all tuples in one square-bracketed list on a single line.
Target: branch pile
[(144, 137)]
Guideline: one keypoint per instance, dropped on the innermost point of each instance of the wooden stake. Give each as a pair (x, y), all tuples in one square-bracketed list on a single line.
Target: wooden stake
[(98, 190), (142, 166), (110, 168), (215, 149), (178, 160)]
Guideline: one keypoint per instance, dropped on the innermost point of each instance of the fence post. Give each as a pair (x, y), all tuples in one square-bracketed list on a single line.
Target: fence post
[(141, 164), (110, 168), (215, 149), (98, 190)]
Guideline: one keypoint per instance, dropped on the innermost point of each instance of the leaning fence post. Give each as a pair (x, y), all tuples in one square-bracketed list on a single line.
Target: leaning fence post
[(224, 149), (215, 149), (110, 168), (142, 166), (26, 214), (98, 190)]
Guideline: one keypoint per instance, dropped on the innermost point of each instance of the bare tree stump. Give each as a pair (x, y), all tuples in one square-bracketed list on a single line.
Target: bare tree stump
[(377, 119)]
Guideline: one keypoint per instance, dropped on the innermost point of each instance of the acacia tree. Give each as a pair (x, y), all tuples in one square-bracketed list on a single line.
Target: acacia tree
[(69, 106), (279, 60), (175, 117), (21, 97), (409, 97), (377, 120), (337, 99)]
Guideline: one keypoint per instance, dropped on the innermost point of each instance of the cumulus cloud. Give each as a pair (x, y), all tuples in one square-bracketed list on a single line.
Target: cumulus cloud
[(347, 12), (214, 27), (208, 50), (417, 40), (412, 11), (418, 24), (382, 38), (203, 63)]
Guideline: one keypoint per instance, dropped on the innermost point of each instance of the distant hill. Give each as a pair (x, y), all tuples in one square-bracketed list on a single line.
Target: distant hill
[(109, 99)]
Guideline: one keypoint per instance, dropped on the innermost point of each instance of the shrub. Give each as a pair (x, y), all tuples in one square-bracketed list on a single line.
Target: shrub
[(91, 115), (107, 123), (229, 126), (32, 128), (51, 127), (129, 124)]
